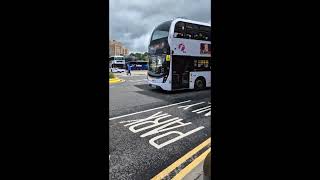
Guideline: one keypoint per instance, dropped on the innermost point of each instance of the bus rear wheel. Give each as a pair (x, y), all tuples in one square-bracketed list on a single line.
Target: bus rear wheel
[(200, 84)]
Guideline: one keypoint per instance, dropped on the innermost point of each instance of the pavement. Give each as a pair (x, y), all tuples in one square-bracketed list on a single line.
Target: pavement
[(124, 74), (133, 73), (155, 133), (196, 173)]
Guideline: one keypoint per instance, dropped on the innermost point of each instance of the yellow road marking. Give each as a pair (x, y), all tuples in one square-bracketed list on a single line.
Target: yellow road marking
[(115, 80), (174, 165), (192, 165)]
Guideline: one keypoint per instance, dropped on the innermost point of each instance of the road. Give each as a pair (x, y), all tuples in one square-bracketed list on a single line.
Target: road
[(151, 129)]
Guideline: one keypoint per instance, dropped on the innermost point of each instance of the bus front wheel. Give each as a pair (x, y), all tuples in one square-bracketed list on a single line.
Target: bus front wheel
[(199, 84)]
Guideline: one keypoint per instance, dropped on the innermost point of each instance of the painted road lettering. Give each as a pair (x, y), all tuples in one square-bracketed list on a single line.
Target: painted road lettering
[(154, 121), (161, 107), (181, 135), (208, 113), (161, 128), (207, 108), (188, 106), (157, 115), (153, 124), (200, 110)]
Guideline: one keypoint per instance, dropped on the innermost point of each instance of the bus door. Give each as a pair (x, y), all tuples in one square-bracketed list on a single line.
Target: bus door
[(180, 72)]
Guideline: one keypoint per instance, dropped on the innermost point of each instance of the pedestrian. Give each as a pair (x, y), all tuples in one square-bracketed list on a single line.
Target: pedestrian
[(129, 70)]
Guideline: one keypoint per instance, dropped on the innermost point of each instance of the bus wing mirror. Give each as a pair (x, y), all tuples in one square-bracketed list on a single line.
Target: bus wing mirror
[(172, 52)]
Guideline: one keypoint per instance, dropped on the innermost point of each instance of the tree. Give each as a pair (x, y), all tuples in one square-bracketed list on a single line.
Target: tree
[(138, 56), (146, 58)]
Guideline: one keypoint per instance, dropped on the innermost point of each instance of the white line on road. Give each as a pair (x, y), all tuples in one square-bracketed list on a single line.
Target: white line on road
[(133, 75), (201, 109), (136, 80), (188, 106), (208, 109), (161, 107)]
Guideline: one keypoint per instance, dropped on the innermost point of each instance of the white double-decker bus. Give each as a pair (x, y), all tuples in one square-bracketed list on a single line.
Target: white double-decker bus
[(117, 64), (180, 55)]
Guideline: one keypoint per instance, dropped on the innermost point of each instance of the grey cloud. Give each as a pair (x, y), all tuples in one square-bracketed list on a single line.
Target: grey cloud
[(131, 21)]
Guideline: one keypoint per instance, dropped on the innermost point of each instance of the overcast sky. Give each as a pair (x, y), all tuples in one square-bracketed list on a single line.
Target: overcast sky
[(131, 21)]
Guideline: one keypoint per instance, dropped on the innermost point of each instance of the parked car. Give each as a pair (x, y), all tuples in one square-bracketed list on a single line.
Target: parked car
[(115, 70)]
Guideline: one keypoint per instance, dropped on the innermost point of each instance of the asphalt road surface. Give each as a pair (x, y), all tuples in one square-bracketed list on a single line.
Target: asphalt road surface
[(150, 129)]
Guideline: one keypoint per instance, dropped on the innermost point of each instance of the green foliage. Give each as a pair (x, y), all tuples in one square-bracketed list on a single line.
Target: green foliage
[(139, 56)]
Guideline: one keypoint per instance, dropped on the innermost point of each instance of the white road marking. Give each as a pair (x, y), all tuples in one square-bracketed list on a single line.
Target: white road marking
[(132, 75), (162, 128), (208, 114), (208, 109), (154, 123), (201, 109), (180, 136), (154, 116), (188, 106), (135, 80), (139, 112), (153, 120)]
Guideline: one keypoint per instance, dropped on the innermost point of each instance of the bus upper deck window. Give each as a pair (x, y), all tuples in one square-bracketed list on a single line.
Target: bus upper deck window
[(179, 30), (178, 35), (179, 27), (200, 35), (190, 29), (196, 36), (188, 36)]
